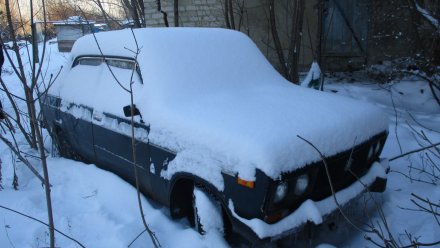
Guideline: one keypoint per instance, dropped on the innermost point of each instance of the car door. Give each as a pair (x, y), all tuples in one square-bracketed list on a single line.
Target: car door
[(112, 130), (78, 129), (73, 122), (113, 148)]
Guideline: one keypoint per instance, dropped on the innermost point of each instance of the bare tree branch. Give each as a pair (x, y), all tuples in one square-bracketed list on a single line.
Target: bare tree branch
[(327, 171), (21, 158), (133, 145), (414, 151)]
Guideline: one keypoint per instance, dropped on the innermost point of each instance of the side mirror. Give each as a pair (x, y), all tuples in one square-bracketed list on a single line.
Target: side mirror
[(128, 110)]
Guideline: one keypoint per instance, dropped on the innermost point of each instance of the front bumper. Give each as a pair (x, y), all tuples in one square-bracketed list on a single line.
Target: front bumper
[(311, 211)]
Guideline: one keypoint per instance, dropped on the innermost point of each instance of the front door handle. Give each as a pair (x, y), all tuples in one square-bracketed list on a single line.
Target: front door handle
[(97, 118)]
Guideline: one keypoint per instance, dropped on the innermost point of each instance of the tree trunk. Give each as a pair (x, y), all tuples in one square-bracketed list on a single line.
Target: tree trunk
[(33, 130), (227, 22), (276, 38), (231, 14), (176, 13), (36, 132), (33, 119), (137, 23), (104, 14), (295, 40)]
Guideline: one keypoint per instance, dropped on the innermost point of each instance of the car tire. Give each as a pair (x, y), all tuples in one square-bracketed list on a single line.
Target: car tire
[(207, 212)]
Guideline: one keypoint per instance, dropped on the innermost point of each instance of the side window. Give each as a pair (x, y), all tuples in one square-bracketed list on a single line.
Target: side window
[(123, 64)]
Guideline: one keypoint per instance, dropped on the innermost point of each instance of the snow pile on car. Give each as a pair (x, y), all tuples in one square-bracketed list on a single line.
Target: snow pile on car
[(213, 89)]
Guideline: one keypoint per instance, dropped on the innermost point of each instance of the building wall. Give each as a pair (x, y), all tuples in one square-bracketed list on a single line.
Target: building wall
[(386, 29), (67, 34), (192, 13), (253, 22)]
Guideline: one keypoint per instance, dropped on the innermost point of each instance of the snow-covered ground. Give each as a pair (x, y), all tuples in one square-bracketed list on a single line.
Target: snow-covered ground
[(416, 114), (100, 210)]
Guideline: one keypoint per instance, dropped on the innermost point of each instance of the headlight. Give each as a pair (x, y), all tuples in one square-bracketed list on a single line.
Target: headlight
[(302, 182), (280, 192), (377, 148), (370, 152)]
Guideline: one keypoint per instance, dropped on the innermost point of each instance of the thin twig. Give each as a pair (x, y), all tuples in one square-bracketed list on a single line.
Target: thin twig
[(396, 121), (423, 200), (414, 151), (133, 145), (412, 179), (331, 184), (420, 124), (140, 234), (39, 221), (22, 159), (102, 54), (7, 235)]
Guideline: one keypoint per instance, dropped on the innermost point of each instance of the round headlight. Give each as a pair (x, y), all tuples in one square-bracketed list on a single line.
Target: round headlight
[(370, 152), (377, 148), (280, 192), (302, 182)]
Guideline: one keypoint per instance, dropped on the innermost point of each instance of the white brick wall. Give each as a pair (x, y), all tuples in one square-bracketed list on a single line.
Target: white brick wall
[(192, 13)]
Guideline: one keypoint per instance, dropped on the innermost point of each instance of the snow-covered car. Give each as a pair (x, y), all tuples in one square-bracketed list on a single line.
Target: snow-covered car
[(20, 44), (216, 127), (7, 45)]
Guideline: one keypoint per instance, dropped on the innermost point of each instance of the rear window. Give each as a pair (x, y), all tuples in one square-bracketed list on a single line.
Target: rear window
[(128, 64), (88, 61)]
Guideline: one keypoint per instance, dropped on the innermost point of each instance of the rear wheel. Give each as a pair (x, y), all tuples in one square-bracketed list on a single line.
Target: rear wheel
[(63, 146)]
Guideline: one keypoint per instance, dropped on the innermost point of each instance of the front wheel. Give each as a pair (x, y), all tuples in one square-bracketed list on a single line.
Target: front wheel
[(207, 212)]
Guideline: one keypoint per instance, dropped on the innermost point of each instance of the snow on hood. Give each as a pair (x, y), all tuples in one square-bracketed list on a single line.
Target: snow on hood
[(213, 89)]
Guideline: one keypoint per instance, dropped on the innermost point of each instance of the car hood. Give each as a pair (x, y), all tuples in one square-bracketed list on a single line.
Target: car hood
[(259, 128)]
